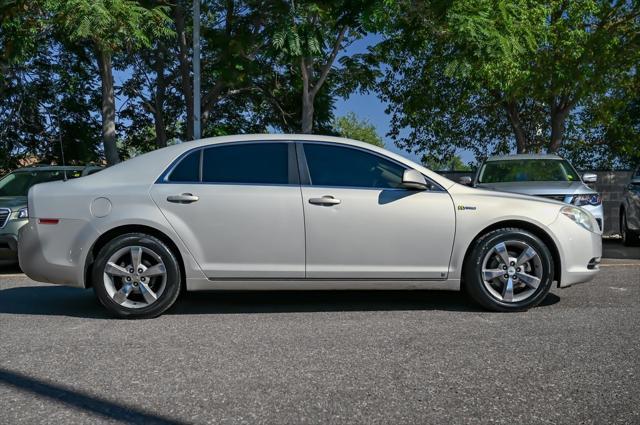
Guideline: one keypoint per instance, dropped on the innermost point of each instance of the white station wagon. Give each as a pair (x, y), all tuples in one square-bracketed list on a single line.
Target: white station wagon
[(268, 212)]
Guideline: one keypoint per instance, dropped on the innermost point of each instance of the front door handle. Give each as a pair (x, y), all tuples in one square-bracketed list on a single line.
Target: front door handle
[(185, 198), (325, 200)]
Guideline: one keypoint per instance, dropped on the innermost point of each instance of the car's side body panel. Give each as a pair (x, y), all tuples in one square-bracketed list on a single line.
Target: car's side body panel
[(239, 231), (381, 234)]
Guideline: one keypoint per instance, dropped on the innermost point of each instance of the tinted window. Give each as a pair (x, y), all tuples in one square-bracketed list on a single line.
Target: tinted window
[(522, 170), (188, 169), (19, 182), (340, 166), (258, 163)]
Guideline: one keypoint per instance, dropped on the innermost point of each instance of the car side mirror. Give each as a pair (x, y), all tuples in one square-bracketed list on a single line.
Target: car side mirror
[(465, 180), (589, 178), (412, 179)]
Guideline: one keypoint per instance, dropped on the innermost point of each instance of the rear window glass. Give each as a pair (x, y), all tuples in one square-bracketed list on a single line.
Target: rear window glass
[(188, 170), (250, 163)]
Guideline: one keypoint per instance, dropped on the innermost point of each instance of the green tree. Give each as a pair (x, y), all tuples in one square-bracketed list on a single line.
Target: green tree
[(351, 127), (310, 35), (108, 27), (493, 76), (454, 163)]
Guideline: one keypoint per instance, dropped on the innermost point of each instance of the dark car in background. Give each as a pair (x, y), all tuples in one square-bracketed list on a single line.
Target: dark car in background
[(630, 212), (13, 201)]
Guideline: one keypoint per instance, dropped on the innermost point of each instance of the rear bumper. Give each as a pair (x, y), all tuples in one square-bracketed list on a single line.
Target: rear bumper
[(580, 251), (55, 253)]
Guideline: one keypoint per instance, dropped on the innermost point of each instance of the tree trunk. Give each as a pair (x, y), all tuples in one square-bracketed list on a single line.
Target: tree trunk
[(161, 83), (307, 114), (108, 109), (514, 119), (185, 66), (558, 117), (308, 98)]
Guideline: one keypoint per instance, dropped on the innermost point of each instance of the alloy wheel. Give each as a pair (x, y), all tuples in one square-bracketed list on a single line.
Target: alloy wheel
[(512, 271), (135, 277)]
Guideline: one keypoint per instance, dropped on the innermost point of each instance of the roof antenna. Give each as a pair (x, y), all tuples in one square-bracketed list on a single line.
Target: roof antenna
[(64, 170)]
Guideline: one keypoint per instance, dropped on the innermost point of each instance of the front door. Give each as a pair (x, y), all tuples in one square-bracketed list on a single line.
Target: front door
[(361, 223)]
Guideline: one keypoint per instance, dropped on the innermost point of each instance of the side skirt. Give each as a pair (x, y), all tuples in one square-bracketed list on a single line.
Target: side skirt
[(319, 284)]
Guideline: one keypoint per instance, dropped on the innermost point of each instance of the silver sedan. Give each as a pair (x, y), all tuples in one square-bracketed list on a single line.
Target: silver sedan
[(258, 212)]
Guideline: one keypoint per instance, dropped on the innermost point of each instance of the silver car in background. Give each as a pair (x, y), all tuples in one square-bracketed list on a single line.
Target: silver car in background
[(549, 176), (256, 212), (630, 212)]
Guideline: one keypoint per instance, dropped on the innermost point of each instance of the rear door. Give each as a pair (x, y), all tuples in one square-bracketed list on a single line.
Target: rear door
[(362, 224), (238, 209)]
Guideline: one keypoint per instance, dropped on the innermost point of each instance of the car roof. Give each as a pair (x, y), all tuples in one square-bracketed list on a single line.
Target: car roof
[(523, 156), (56, 168)]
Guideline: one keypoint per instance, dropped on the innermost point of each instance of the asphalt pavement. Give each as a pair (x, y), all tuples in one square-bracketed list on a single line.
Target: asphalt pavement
[(323, 357)]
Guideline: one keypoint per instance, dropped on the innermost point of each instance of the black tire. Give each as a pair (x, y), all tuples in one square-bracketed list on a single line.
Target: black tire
[(172, 285), (629, 237), (473, 282)]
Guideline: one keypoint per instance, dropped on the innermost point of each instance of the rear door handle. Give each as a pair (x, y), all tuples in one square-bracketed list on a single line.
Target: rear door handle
[(185, 198), (325, 200)]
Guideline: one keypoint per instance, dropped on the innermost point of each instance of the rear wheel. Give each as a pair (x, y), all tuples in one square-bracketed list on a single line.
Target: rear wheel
[(136, 276), (629, 237), (508, 270)]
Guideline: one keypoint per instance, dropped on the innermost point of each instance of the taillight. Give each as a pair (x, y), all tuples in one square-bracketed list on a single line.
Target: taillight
[(48, 220)]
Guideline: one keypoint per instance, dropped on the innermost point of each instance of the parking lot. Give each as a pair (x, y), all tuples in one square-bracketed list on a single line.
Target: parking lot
[(332, 357)]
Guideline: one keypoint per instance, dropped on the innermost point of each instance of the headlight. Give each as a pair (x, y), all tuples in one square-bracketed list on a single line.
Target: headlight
[(23, 213), (581, 217), (587, 199)]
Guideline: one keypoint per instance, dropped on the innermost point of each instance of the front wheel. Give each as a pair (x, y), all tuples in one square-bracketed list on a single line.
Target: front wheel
[(508, 270), (136, 276)]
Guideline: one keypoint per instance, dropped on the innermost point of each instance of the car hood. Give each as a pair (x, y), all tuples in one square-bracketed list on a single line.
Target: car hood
[(13, 202), (539, 188)]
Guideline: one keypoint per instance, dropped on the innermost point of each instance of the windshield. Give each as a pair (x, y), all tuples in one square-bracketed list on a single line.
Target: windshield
[(527, 170), (19, 182)]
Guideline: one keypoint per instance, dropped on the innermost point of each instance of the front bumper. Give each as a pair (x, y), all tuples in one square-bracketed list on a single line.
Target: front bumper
[(9, 240), (8, 248), (580, 251), (598, 212)]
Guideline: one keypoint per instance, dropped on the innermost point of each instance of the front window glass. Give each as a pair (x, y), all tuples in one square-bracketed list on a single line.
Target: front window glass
[(18, 183), (249, 163), (523, 170), (341, 166)]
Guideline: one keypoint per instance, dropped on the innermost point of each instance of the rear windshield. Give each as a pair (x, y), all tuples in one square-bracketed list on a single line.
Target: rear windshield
[(527, 170), (19, 182)]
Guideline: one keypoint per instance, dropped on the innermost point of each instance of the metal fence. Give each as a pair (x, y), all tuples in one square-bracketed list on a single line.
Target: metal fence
[(610, 184)]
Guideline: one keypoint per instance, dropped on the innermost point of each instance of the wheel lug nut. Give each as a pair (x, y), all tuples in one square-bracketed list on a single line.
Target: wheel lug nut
[(139, 270), (513, 263), (131, 270), (142, 279), (506, 276), (518, 269), (128, 279), (504, 267)]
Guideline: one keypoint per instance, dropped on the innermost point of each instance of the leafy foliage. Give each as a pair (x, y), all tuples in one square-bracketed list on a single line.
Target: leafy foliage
[(351, 127)]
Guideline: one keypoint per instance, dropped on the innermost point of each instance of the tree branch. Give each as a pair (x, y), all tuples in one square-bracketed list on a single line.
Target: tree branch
[(324, 71)]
